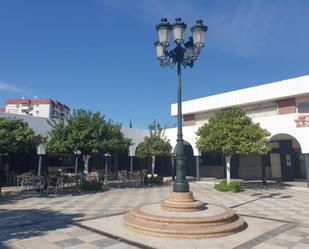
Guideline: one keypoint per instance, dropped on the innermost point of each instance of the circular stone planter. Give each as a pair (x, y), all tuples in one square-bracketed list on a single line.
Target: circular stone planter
[(208, 221)]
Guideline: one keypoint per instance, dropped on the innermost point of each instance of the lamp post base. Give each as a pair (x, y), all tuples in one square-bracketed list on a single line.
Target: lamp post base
[(182, 202), (182, 186)]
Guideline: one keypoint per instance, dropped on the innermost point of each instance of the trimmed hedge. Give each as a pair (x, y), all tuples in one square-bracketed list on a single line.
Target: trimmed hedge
[(233, 186), (91, 186), (155, 180)]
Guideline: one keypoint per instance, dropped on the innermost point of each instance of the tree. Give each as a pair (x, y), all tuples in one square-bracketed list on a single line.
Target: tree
[(154, 145), (88, 133), (17, 137), (232, 132)]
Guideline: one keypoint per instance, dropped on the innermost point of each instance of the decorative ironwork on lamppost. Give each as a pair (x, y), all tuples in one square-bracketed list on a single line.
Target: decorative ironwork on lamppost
[(184, 53)]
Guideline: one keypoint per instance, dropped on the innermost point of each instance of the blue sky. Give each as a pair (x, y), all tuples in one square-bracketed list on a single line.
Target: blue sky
[(99, 54)]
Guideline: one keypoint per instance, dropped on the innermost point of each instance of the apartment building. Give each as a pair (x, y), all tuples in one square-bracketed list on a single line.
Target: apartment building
[(47, 108)]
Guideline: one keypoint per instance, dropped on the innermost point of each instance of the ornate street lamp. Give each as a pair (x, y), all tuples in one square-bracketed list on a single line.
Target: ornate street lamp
[(182, 54)]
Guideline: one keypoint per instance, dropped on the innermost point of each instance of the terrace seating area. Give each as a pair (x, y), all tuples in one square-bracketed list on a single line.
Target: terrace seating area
[(59, 183)]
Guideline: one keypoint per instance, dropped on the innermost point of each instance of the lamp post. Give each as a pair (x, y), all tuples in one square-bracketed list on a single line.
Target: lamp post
[(183, 54), (107, 156), (41, 151), (77, 153)]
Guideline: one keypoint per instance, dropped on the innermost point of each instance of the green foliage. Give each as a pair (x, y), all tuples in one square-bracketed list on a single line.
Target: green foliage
[(17, 137), (233, 186), (87, 132), (155, 180), (232, 132), (155, 144), (91, 186), (58, 135), (114, 138), (222, 186)]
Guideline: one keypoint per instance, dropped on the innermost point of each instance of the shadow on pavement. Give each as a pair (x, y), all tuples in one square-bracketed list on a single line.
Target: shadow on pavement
[(263, 196), (256, 185), (23, 224), (26, 194)]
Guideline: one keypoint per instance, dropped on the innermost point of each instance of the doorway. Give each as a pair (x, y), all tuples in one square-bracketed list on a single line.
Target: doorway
[(284, 157)]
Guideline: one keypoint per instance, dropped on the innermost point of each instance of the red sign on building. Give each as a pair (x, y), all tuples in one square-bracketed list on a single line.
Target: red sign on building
[(302, 121)]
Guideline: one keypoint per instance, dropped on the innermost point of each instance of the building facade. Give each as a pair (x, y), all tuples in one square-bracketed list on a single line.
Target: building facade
[(46, 108), (280, 107)]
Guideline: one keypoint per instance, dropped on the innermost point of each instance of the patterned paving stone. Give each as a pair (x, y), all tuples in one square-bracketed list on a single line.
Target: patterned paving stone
[(105, 242), (38, 243), (44, 217), (69, 242), (300, 246), (268, 246), (280, 242), (56, 236), (305, 241), (91, 237), (82, 246), (297, 233), (79, 233)]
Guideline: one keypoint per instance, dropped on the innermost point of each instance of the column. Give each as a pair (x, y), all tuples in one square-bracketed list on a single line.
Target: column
[(197, 164), (131, 165), (228, 168), (173, 167), (40, 165), (76, 164), (106, 170), (263, 165), (306, 156)]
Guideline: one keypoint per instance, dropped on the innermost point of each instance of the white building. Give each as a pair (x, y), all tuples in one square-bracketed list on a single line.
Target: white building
[(46, 108), (281, 107)]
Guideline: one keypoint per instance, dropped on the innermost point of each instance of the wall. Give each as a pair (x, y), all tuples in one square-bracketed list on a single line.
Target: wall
[(44, 110), (263, 93), (274, 124), (212, 171), (250, 167), (303, 173), (137, 136)]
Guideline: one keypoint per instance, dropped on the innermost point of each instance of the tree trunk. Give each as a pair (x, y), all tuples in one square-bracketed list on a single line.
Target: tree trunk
[(228, 168), (86, 161), (153, 164), (76, 164)]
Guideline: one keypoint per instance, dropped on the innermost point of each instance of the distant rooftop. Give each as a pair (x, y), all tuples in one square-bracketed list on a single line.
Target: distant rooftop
[(267, 92), (36, 101), (39, 125)]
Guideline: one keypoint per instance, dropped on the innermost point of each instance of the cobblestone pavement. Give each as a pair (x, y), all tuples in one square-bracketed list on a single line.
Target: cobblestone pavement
[(28, 221)]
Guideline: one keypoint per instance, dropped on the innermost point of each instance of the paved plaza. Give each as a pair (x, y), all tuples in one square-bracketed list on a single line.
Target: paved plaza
[(30, 221)]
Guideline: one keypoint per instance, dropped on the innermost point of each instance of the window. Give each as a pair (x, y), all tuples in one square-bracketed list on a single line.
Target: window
[(303, 107), (261, 111)]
